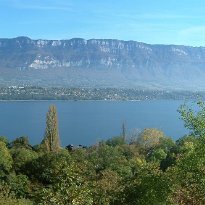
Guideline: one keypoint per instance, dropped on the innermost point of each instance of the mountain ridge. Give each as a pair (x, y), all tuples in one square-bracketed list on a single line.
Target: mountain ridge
[(101, 62)]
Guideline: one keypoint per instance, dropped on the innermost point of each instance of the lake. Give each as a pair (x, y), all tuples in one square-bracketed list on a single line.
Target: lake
[(88, 122)]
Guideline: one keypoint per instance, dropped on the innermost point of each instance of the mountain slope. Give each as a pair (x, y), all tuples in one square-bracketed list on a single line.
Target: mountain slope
[(102, 63)]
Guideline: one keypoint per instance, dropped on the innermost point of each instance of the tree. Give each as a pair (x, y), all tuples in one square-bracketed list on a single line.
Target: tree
[(188, 172), (150, 137), (7, 197), (4, 139), (5, 160), (20, 142), (108, 157), (115, 141), (194, 121), (124, 131), (149, 185), (51, 141), (107, 188), (21, 156), (70, 187), (161, 150), (47, 168)]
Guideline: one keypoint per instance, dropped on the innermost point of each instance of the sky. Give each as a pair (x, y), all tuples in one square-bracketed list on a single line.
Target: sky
[(180, 22)]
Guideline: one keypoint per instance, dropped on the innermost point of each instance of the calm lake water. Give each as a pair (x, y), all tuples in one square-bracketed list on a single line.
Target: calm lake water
[(88, 122)]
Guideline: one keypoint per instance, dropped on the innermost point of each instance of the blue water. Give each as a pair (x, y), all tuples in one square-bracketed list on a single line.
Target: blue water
[(88, 122)]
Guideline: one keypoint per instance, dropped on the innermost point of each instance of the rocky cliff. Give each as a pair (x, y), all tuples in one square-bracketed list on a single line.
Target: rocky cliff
[(101, 62)]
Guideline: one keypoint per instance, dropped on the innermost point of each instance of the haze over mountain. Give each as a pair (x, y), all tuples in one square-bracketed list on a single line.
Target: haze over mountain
[(101, 63)]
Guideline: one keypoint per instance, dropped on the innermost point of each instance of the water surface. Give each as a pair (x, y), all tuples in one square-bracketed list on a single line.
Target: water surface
[(87, 122)]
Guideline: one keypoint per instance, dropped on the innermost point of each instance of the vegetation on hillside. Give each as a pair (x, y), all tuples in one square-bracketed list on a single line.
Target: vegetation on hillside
[(150, 169)]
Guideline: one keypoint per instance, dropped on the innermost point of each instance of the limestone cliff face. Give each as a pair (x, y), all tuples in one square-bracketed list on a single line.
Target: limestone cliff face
[(126, 63)]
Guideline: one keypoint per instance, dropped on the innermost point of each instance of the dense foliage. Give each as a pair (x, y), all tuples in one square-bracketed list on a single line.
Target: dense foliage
[(149, 169)]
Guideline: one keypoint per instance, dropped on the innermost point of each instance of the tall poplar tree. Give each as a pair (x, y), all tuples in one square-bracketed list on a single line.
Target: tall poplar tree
[(124, 131), (51, 141)]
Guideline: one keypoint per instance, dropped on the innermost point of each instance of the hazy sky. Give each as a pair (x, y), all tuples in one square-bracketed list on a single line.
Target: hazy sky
[(149, 21)]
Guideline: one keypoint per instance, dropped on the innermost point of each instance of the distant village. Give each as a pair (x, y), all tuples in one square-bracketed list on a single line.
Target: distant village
[(27, 92)]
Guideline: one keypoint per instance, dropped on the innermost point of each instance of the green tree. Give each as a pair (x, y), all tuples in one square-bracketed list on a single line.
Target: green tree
[(47, 168), (149, 185), (107, 188), (7, 197), (108, 157), (4, 139), (19, 185), (188, 172), (6, 161), (51, 141), (69, 187), (124, 131), (161, 150), (150, 137), (21, 156), (115, 141), (194, 120), (20, 142)]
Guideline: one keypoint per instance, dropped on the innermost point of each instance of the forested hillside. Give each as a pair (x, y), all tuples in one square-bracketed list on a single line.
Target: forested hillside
[(148, 169)]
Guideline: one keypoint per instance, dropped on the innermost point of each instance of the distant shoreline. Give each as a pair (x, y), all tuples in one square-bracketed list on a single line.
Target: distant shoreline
[(78, 100), (28, 93)]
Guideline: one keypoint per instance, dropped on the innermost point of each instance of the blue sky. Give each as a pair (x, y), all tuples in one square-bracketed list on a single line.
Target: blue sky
[(149, 21)]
